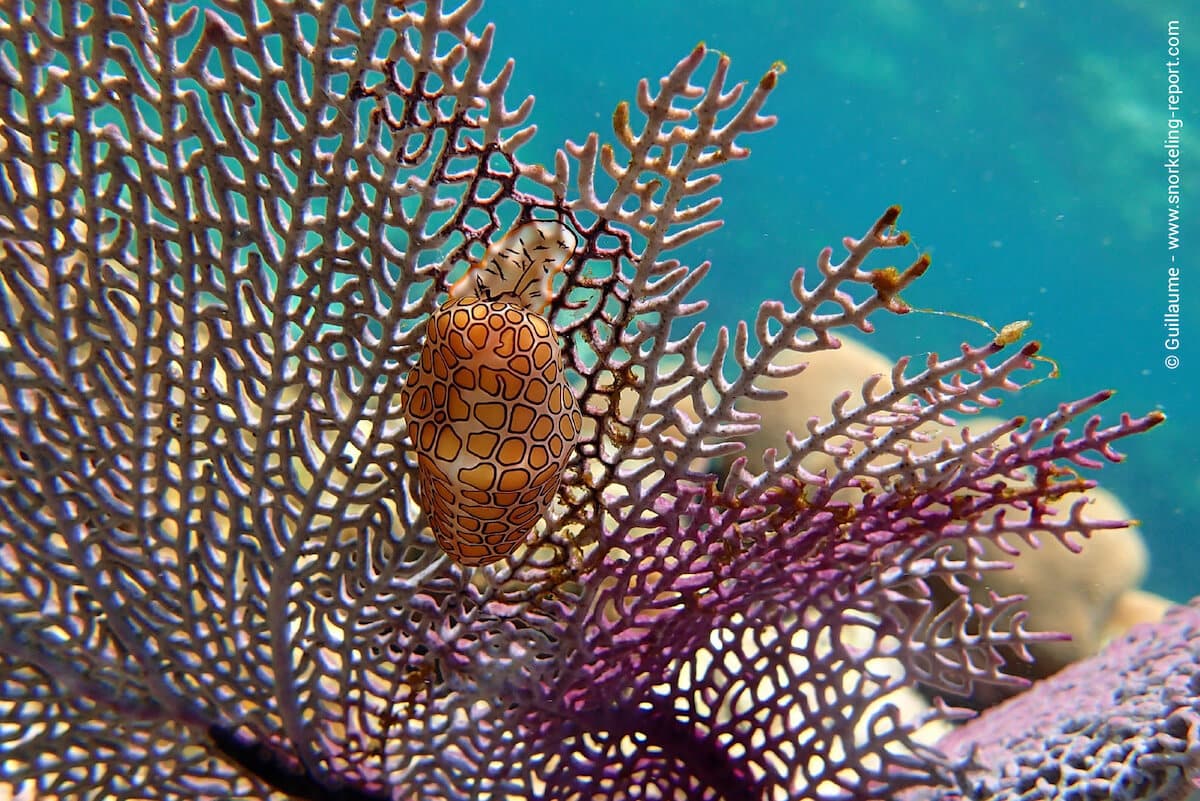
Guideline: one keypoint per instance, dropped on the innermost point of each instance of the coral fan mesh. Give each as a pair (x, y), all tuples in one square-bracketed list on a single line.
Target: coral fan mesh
[(222, 233)]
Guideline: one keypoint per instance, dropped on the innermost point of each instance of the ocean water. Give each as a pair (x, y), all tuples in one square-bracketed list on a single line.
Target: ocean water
[(1025, 142)]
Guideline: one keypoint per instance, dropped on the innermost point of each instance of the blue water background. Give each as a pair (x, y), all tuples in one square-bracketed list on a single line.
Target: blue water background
[(1023, 140)]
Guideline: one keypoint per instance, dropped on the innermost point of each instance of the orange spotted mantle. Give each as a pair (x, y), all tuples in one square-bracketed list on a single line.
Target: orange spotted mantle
[(489, 409)]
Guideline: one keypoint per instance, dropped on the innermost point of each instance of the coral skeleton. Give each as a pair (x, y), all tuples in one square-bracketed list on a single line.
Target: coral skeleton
[(223, 232)]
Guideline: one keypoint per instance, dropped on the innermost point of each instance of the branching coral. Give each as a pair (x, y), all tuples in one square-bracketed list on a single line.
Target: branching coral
[(223, 234)]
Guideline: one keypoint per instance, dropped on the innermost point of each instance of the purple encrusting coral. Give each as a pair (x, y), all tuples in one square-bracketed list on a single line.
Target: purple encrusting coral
[(223, 232), (1122, 725)]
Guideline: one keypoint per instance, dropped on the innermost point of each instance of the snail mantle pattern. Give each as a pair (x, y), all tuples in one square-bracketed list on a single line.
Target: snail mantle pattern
[(489, 409)]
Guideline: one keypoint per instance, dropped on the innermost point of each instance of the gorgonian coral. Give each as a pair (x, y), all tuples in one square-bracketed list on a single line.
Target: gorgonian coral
[(224, 232)]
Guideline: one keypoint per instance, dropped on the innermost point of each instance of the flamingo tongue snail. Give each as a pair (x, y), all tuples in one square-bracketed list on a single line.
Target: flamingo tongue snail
[(489, 409)]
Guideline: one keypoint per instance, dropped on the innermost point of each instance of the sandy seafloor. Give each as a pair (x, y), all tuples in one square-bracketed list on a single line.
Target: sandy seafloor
[(1025, 143)]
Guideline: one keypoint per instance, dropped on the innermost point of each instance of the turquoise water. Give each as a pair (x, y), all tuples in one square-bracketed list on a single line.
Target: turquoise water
[(1024, 143)]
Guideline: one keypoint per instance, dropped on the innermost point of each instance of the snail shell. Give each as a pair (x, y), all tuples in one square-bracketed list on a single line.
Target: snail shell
[(489, 409)]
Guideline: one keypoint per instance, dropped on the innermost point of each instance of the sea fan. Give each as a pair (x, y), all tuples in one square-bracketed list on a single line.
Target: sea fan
[(223, 234)]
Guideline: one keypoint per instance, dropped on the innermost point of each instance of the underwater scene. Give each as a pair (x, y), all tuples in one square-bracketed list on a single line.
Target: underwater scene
[(516, 399), (1025, 142)]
